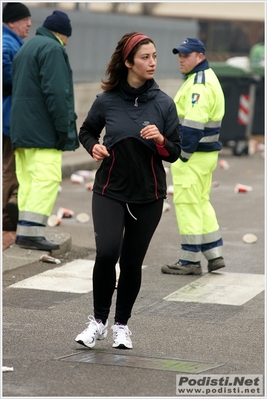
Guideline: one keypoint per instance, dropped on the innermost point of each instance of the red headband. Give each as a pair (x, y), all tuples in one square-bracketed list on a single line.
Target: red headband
[(131, 42)]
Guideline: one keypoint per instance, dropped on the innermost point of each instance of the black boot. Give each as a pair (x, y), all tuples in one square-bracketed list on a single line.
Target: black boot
[(13, 213), (40, 243)]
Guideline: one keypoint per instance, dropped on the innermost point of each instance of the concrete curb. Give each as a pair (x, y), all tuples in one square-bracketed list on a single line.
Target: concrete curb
[(15, 256)]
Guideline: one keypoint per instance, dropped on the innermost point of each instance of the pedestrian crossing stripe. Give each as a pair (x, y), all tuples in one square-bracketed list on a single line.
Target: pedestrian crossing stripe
[(215, 288), (221, 288), (74, 277)]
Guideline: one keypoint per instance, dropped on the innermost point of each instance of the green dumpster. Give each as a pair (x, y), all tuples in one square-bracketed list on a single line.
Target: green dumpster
[(244, 103)]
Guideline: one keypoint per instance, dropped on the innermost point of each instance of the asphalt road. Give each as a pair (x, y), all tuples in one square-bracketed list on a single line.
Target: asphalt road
[(39, 326)]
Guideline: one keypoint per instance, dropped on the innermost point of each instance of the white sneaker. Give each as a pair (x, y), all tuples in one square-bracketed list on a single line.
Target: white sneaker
[(121, 337), (93, 332)]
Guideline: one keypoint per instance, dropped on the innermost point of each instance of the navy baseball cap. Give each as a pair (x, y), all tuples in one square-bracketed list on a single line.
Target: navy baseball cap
[(190, 45)]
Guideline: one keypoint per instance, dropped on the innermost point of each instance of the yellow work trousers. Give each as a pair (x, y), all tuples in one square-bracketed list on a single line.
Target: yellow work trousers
[(39, 173), (196, 218)]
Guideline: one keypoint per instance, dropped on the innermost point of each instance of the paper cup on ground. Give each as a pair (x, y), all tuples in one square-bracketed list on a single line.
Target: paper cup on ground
[(64, 213), (215, 184), (224, 164), (241, 188), (82, 217), (49, 259), (87, 174), (74, 178), (166, 207), (170, 190), (53, 221), (89, 186), (249, 238), (6, 369), (167, 169)]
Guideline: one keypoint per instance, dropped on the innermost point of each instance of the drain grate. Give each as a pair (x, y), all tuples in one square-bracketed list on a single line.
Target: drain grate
[(178, 365)]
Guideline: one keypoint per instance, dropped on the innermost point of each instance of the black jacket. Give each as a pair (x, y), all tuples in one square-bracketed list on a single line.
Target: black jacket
[(134, 171)]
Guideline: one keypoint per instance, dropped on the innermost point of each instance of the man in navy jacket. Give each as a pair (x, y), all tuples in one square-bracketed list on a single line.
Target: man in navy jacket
[(16, 25)]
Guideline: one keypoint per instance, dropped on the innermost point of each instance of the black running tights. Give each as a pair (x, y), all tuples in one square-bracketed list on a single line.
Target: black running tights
[(122, 234)]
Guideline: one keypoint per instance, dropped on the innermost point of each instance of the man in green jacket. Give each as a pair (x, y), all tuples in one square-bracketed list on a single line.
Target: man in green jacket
[(43, 124)]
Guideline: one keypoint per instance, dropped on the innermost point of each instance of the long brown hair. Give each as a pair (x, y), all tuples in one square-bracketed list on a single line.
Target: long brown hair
[(116, 69)]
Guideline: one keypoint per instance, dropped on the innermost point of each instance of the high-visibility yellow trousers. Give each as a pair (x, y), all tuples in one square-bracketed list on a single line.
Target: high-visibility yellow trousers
[(39, 173), (196, 217)]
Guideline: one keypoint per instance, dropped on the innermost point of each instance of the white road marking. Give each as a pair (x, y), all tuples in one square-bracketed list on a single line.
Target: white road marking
[(218, 288), (221, 288), (74, 277)]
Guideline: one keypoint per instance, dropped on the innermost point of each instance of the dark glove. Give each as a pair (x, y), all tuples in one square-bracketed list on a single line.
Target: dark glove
[(62, 140)]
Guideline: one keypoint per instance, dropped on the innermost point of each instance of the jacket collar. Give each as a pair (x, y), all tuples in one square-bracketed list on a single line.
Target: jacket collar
[(143, 93), (42, 31), (200, 67), (6, 30)]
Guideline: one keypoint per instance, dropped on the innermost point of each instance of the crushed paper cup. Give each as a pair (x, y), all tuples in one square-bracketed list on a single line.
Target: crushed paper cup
[(74, 178), (215, 184), (166, 207), (53, 221), (64, 213), (49, 259), (167, 169), (89, 186), (224, 164), (86, 174), (82, 217), (254, 146), (249, 238), (5, 369), (170, 190), (241, 188)]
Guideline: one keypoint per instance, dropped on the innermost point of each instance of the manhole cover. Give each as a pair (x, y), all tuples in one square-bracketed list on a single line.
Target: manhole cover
[(178, 365)]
